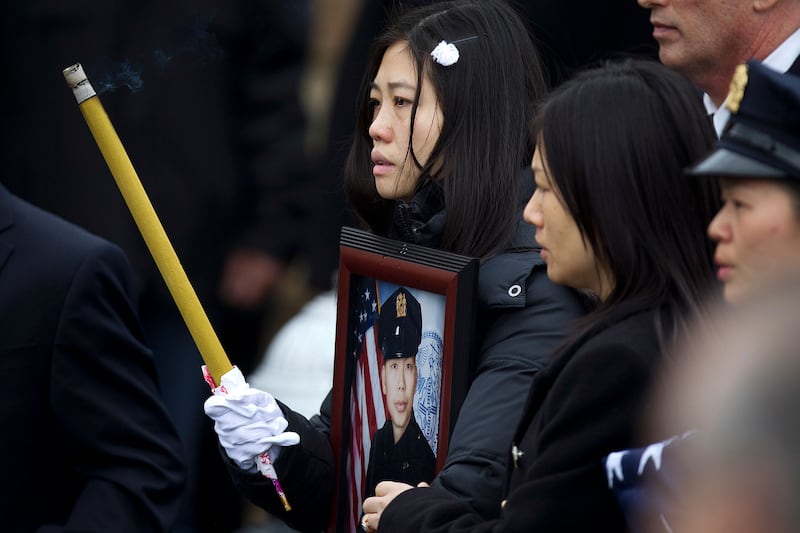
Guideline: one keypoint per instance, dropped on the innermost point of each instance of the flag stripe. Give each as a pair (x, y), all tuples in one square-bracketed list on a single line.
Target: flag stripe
[(367, 409)]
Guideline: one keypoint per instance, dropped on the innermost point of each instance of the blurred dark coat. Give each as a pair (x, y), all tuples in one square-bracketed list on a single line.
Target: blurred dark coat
[(573, 34), (204, 97), (86, 442)]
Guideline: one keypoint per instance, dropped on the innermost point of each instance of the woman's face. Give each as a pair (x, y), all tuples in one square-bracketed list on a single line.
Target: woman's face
[(391, 98), (570, 260), (758, 235)]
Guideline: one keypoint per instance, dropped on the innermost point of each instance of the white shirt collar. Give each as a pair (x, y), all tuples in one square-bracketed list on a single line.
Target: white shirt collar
[(779, 60), (782, 57)]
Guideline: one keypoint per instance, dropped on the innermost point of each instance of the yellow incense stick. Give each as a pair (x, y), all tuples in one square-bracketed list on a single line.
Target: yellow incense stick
[(149, 225), (155, 237)]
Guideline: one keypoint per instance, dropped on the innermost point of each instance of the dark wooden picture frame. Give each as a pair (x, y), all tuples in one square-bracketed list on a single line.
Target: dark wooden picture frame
[(446, 284)]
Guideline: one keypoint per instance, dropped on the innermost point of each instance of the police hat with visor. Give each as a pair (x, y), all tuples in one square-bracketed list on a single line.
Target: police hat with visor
[(762, 136), (400, 325)]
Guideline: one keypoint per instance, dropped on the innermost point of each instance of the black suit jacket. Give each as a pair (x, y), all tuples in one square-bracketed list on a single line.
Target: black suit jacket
[(582, 406), (86, 443)]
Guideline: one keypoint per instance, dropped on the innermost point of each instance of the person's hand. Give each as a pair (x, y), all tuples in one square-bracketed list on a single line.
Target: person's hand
[(373, 507), (248, 277), (248, 421)]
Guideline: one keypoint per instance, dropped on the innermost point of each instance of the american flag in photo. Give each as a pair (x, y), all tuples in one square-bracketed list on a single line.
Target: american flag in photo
[(367, 409)]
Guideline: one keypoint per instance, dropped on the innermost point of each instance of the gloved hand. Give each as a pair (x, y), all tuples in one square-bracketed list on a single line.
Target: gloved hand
[(248, 421)]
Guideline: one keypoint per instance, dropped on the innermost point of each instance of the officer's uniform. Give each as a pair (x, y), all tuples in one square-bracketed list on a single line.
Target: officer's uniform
[(762, 136), (411, 459)]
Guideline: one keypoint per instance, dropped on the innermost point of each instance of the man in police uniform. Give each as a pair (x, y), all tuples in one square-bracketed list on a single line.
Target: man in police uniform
[(706, 39), (399, 450)]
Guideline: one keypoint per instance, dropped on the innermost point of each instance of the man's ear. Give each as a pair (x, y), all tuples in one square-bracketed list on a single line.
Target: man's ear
[(383, 378), (762, 6)]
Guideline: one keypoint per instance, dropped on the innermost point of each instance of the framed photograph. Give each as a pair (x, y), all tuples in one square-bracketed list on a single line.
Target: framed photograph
[(404, 349)]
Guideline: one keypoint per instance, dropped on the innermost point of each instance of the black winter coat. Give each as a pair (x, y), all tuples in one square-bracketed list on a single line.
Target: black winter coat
[(215, 130), (522, 316)]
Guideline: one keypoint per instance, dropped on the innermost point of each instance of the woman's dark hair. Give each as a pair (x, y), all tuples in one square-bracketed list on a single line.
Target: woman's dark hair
[(616, 140), (487, 100)]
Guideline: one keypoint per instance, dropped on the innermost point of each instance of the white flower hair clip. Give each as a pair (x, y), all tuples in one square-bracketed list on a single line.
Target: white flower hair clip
[(446, 54)]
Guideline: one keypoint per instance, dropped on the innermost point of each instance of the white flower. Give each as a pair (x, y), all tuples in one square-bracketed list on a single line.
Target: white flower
[(445, 54)]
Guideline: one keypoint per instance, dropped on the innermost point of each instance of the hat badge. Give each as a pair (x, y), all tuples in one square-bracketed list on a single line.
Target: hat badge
[(736, 91), (400, 305)]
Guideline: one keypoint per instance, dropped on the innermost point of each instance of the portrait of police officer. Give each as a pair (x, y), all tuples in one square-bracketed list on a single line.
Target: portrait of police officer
[(399, 450)]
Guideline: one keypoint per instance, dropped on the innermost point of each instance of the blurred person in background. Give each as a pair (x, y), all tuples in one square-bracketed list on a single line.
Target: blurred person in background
[(739, 381)]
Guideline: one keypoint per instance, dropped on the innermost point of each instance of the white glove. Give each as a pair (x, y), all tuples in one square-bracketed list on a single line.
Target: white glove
[(248, 421)]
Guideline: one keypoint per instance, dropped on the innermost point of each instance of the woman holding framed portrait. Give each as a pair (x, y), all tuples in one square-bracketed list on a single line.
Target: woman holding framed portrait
[(614, 215), (439, 159)]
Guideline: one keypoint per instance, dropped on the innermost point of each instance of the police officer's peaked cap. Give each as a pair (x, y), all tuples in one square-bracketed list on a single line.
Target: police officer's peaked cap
[(400, 325), (762, 136)]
